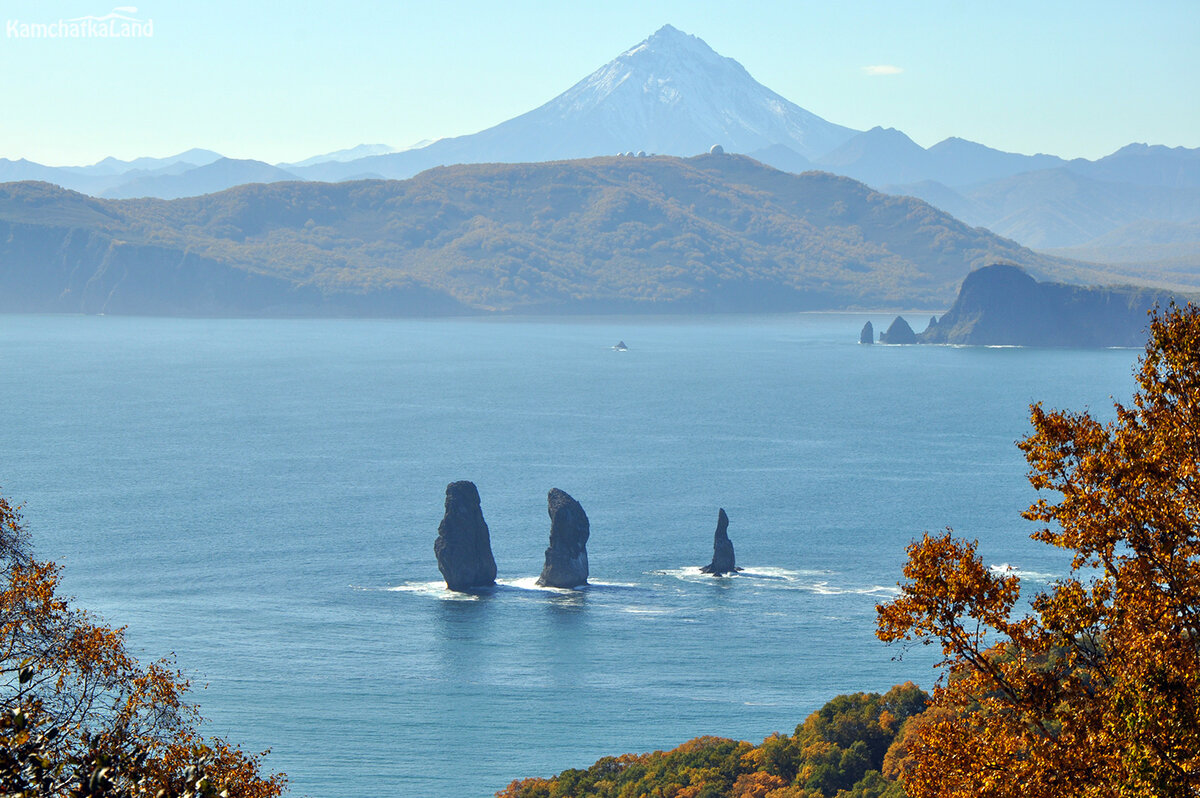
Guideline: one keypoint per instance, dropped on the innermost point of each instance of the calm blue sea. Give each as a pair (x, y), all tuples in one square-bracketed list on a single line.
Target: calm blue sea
[(261, 498)]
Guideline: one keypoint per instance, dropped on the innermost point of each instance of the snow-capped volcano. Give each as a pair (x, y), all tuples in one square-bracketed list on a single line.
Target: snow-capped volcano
[(674, 94), (671, 94)]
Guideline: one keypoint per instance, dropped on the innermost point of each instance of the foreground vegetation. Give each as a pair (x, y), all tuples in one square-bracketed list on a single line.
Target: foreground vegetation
[(853, 747), (80, 716), (1091, 689), (1094, 689)]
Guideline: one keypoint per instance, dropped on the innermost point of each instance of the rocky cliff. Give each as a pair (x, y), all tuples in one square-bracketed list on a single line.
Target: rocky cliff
[(1001, 305)]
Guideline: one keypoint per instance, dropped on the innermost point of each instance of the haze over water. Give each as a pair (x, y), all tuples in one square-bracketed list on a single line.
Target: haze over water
[(261, 498)]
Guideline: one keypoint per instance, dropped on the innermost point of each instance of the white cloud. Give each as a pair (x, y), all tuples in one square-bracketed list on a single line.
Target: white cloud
[(882, 69)]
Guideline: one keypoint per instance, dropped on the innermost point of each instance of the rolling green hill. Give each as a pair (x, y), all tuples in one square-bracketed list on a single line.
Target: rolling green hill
[(622, 234)]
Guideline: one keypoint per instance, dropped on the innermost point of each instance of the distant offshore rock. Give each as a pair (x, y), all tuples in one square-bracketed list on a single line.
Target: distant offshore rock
[(722, 561), (463, 546), (620, 347), (899, 332), (566, 558), (867, 336)]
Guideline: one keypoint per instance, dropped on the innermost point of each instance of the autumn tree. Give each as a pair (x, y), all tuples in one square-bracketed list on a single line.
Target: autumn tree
[(79, 715), (1093, 687)]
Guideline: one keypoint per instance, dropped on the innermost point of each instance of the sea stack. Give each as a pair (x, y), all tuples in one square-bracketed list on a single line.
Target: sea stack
[(722, 561), (566, 559), (867, 336), (463, 546), (899, 332)]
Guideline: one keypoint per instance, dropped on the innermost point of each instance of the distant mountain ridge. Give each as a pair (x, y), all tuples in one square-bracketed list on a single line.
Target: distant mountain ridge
[(618, 234), (109, 174), (672, 94), (882, 157), (216, 176), (1066, 211), (112, 166), (348, 154)]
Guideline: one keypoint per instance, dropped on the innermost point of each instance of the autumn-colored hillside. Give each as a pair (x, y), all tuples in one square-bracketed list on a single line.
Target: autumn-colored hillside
[(710, 233), (853, 747)]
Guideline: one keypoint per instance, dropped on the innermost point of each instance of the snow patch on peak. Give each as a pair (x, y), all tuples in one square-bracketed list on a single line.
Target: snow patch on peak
[(669, 42)]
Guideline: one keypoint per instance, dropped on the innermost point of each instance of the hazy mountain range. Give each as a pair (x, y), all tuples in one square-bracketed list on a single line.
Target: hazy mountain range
[(616, 234), (672, 94)]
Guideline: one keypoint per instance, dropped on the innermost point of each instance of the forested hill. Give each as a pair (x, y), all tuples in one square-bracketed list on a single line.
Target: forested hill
[(856, 746), (621, 234)]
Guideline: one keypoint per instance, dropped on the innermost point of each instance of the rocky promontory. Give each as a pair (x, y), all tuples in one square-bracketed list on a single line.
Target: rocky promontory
[(463, 546), (722, 561), (566, 558), (1002, 305)]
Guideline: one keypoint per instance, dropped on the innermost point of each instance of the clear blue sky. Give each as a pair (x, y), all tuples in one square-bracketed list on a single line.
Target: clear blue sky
[(280, 82)]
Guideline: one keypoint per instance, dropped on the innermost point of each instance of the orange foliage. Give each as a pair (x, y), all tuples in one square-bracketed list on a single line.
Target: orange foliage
[(80, 707), (756, 785), (526, 788), (1096, 692)]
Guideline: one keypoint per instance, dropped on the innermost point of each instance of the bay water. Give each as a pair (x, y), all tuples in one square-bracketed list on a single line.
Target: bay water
[(260, 498)]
